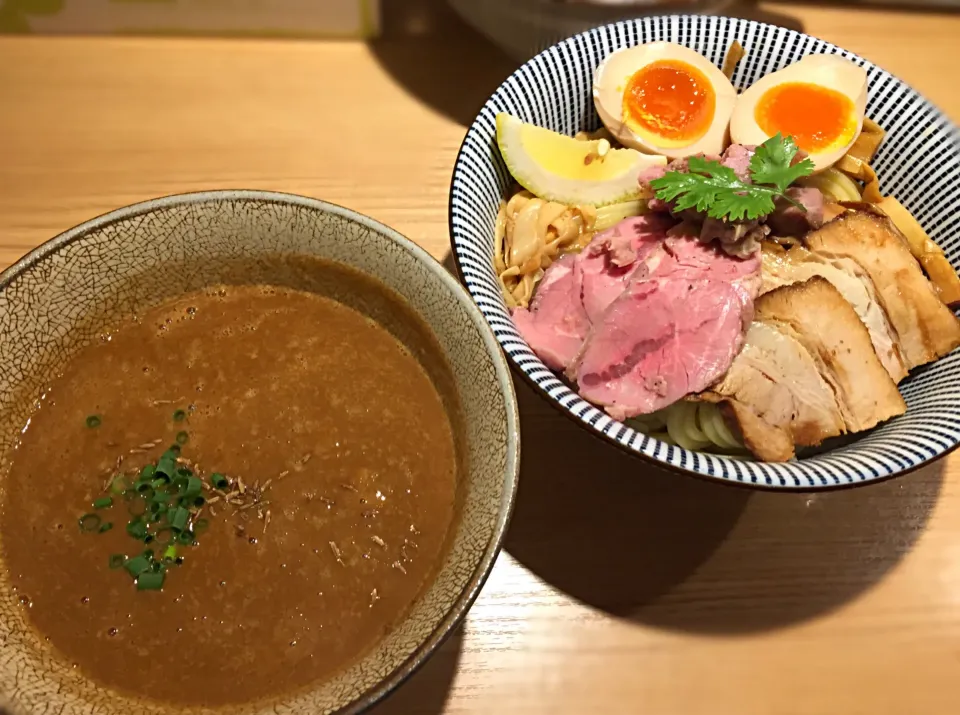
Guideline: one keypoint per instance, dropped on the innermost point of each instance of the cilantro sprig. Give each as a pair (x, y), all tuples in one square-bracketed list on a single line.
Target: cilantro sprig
[(717, 191)]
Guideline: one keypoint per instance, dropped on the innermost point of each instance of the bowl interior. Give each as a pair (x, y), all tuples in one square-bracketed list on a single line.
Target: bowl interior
[(918, 163), (54, 301)]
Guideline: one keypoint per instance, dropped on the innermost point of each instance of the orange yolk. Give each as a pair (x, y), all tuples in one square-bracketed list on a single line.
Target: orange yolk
[(670, 99), (817, 117)]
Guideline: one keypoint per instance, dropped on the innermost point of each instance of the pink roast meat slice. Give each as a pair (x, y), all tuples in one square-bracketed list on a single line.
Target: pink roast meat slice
[(556, 323), (671, 333), (605, 266), (577, 289)]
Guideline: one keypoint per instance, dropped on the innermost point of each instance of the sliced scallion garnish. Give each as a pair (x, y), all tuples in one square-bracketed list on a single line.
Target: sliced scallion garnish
[(102, 502), (94, 421), (150, 581)]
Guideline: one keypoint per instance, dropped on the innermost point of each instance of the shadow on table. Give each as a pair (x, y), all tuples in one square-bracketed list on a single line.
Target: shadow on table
[(689, 555), (438, 58), (451, 67), (426, 692)]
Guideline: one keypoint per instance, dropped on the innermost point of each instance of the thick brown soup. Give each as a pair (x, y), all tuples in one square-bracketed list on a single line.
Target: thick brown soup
[(337, 493)]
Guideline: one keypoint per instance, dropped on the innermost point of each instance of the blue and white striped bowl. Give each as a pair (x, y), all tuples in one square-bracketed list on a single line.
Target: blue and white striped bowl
[(919, 163)]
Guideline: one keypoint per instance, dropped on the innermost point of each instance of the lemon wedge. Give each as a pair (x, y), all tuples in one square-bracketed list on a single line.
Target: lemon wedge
[(563, 169)]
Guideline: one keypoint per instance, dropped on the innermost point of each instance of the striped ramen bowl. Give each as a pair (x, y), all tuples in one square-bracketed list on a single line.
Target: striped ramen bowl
[(918, 163)]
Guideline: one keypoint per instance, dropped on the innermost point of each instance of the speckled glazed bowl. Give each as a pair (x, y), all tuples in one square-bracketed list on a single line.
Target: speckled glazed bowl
[(53, 300)]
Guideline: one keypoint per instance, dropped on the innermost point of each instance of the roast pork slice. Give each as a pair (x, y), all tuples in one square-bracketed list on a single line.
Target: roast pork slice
[(612, 257), (818, 316), (807, 372), (925, 328), (786, 267), (674, 330), (556, 323)]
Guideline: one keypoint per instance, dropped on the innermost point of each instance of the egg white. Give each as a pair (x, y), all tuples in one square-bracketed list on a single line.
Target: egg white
[(828, 71), (613, 74)]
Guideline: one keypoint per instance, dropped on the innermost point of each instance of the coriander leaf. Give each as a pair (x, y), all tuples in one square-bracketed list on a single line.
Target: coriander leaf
[(772, 163), (752, 204), (715, 190)]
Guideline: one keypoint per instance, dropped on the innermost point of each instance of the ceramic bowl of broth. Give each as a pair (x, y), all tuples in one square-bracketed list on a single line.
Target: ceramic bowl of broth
[(257, 454)]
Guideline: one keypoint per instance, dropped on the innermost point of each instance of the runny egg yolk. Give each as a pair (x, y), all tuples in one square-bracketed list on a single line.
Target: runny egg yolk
[(670, 100), (817, 117)]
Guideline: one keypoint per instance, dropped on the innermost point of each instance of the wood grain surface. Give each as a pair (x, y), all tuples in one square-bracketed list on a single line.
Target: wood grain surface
[(621, 589)]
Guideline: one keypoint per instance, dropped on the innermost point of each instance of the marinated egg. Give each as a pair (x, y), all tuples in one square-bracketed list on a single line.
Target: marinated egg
[(819, 101), (663, 98)]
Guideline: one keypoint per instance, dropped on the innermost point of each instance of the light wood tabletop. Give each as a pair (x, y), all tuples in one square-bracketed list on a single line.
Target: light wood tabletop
[(621, 589)]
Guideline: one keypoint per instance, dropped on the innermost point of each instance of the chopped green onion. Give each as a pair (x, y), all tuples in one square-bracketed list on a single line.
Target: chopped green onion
[(158, 567), (148, 554), (167, 464), (150, 581), (146, 474), (178, 521), (117, 560), (170, 552), (175, 448), (184, 472), (89, 522), (119, 484), (194, 487), (137, 529), (185, 538), (178, 561), (105, 527), (102, 502), (144, 487), (160, 499), (201, 525), (182, 437), (137, 565), (179, 416), (148, 538), (199, 502), (180, 484), (93, 421), (219, 481)]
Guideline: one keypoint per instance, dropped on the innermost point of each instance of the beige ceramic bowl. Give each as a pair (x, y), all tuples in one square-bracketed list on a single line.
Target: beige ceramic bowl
[(53, 300)]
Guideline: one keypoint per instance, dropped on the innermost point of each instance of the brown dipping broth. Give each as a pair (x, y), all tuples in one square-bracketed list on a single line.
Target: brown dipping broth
[(332, 419)]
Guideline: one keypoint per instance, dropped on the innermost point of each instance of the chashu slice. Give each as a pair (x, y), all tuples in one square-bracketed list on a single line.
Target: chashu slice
[(925, 327), (785, 267), (775, 396), (808, 372)]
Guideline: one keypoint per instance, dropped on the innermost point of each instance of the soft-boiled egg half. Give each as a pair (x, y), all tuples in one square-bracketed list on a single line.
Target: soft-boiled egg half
[(662, 98), (819, 101)]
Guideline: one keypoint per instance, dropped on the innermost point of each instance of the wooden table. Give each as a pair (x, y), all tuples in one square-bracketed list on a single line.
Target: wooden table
[(621, 589)]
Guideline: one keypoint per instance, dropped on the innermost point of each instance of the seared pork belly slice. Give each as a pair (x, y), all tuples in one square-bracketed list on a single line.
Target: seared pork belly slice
[(808, 371), (925, 328), (556, 323), (816, 314), (775, 396), (786, 267)]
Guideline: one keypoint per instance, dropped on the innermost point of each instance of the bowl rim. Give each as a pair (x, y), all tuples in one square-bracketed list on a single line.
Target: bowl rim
[(454, 615), (590, 427)]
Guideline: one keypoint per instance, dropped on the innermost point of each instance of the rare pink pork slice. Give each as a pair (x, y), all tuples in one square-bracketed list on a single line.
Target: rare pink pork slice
[(610, 260), (672, 332), (556, 323)]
